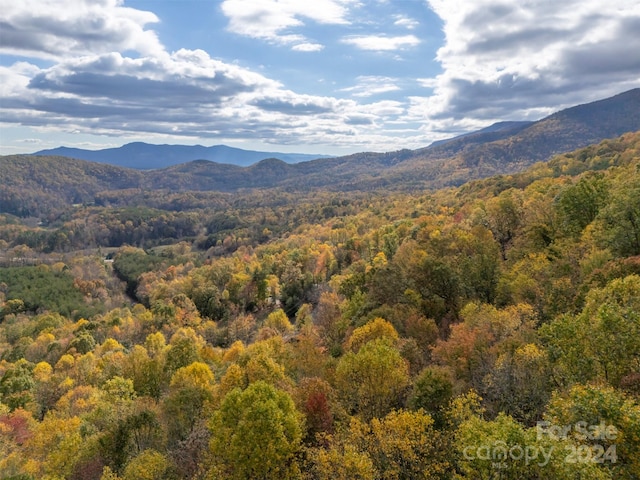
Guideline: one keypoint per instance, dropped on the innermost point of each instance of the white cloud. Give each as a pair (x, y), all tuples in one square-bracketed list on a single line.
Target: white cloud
[(53, 29), (373, 85), (108, 74), (274, 20), (427, 82), (406, 22), (515, 59), (381, 42), (308, 47), (186, 94)]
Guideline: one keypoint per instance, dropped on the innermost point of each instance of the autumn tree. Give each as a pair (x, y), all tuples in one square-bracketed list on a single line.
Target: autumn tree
[(619, 221), (256, 433), (372, 381), (432, 390), (601, 342), (603, 420), (191, 389)]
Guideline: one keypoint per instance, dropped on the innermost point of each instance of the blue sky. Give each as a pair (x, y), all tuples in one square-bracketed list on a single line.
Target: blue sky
[(309, 76)]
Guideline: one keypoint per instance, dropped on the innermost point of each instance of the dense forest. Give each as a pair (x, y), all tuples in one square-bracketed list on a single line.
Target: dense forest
[(486, 331)]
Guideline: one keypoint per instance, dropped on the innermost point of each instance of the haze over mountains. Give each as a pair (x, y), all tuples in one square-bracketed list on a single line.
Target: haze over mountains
[(562, 131), (143, 156), (503, 148)]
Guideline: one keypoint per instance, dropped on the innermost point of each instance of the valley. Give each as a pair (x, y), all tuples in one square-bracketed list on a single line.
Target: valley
[(376, 316)]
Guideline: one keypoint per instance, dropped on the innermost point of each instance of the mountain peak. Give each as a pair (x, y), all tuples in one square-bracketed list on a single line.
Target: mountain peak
[(146, 156), (502, 148)]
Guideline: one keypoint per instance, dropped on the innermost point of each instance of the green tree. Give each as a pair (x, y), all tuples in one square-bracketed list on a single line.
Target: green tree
[(504, 217), (432, 391), (191, 389), (372, 381), (17, 385), (256, 433), (599, 416), (149, 465), (183, 350), (502, 448), (619, 221), (579, 203), (603, 340)]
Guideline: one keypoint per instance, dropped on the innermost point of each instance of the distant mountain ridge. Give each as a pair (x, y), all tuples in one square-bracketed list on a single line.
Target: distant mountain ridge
[(490, 133), (146, 156), (504, 148)]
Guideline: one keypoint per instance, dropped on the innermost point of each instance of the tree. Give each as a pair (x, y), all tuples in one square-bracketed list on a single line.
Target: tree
[(377, 328), (619, 221), (599, 416), (502, 448), (341, 462), (55, 447), (131, 435), (503, 218), (17, 384), (278, 321), (471, 350), (603, 340), (520, 383), (317, 401), (432, 391), (372, 381), (439, 284), (332, 325), (579, 203), (403, 445), (149, 465), (183, 350), (190, 391), (256, 433)]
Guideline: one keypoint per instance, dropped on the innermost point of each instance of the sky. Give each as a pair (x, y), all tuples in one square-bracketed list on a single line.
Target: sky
[(309, 76)]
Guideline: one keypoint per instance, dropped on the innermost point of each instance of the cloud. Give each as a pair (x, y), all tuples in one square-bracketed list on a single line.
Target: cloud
[(186, 94), (405, 22), (381, 43), (514, 60), (292, 104), (307, 47), (176, 81), (106, 74), (53, 29), (274, 20), (120, 91), (373, 85), (96, 66), (360, 120)]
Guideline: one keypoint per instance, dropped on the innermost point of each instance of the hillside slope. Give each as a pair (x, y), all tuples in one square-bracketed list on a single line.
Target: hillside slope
[(30, 182)]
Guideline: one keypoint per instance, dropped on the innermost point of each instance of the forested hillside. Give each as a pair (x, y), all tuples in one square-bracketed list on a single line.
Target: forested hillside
[(43, 186), (490, 330)]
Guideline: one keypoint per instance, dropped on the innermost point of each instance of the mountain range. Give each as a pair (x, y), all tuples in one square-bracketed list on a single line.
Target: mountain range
[(503, 148), (144, 156)]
